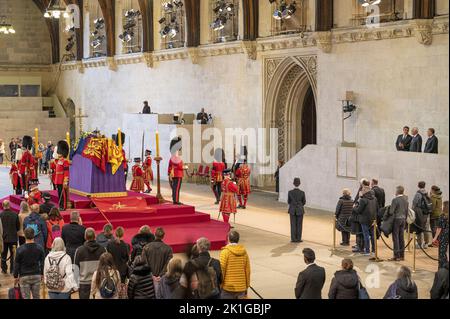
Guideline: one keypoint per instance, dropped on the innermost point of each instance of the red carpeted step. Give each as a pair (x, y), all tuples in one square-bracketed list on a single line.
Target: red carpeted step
[(151, 221), (15, 199)]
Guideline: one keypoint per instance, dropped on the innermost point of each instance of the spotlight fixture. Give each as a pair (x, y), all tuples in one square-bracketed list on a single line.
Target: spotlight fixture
[(131, 17), (6, 28), (368, 3), (283, 10), (97, 41), (55, 10), (170, 27), (223, 11)]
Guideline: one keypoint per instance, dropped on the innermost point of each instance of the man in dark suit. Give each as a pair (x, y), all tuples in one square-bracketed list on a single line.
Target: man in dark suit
[(296, 201), (404, 140), (311, 280), (146, 109), (380, 195), (399, 209), (11, 225), (416, 142), (432, 145)]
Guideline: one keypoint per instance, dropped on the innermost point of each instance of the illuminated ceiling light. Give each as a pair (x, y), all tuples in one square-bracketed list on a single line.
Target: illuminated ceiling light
[(55, 10), (6, 28)]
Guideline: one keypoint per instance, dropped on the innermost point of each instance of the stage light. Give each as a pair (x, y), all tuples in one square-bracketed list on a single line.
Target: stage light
[(162, 20), (223, 11), (284, 11)]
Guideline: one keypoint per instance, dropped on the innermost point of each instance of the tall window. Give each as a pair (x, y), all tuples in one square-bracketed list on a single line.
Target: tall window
[(367, 12), (289, 16), (172, 24), (97, 39), (131, 35), (224, 19)]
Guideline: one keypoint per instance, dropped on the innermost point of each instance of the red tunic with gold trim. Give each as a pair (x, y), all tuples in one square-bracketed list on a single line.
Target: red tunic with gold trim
[(27, 165), (217, 171), (148, 171), (176, 167), (14, 174), (62, 167), (125, 161), (137, 185), (243, 179), (228, 200), (35, 197), (53, 170)]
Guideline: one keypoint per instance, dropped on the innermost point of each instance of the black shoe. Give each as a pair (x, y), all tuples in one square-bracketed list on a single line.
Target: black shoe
[(300, 241), (244, 207), (217, 203), (4, 272), (240, 206)]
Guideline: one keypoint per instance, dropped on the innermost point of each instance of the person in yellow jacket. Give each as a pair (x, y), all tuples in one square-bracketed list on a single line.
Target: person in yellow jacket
[(235, 266)]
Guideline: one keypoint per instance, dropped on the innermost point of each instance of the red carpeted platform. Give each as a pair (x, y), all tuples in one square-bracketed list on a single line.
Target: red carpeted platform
[(182, 224)]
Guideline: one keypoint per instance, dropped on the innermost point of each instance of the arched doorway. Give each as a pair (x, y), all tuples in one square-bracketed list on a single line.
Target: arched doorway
[(290, 102), (308, 121), (69, 108)]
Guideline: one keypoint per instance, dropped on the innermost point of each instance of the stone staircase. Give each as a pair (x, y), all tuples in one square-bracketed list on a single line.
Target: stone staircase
[(19, 116)]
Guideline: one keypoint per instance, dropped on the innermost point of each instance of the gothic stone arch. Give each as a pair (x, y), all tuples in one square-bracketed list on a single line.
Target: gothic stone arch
[(286, 81)]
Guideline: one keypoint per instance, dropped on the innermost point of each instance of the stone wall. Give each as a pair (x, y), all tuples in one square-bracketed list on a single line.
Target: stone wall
[(31, 42)]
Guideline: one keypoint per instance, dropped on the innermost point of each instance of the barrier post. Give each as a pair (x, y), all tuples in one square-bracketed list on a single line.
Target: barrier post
[(414, 252), (334, 234), (409, 237), (375, 240)]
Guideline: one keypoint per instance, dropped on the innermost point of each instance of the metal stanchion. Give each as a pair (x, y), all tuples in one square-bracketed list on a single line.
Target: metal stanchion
[(375, 231), (409, 237), (334, 235), (414, 251)]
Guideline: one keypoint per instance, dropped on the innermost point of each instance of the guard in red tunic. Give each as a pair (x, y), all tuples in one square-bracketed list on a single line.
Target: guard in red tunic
[(15, 180), (243, 181), (62, 167), (52, 172), (137, 185), (218, 167), (27, 164), (175, 170), (148, 171), (228, 200), (35, 195)]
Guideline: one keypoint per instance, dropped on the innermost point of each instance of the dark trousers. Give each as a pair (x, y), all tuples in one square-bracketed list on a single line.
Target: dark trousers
[(398, 237), (296, 227), (11, 247), (126, 176), (434, 224), (345, 237), (217, 189), (176, 186), (84, 291), (367, 235), (62, 196)]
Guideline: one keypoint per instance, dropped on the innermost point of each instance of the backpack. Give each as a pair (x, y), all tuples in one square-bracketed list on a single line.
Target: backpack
[(426, 205), (55, 281), (56, 231), (108, 287), (207, 282), (14, 293), (411, 217)]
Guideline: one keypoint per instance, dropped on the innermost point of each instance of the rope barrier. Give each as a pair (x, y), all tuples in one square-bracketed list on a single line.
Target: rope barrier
[(390, 248), (256, 293), (421, 248)]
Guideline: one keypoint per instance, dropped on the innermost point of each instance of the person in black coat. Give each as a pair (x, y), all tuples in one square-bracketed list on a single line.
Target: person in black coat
[(366, 210), (440, 284), (120, 252), (140, 285), (404, 287), (311, 280), (403, 143), (46, 206), (432, 145), (138, 242), (416, 142), (355, 224), (296, 201), (11, 225), (345, 284), (73, 234), (343, 213), (204, 259)]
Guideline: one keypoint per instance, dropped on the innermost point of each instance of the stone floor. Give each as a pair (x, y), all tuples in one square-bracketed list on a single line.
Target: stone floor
[(275, 262)]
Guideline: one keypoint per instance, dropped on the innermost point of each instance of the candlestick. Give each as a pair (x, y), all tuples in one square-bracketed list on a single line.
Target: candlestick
[(36, 140), (158, 180), (119, 138), (157, 143), (68, 140)]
